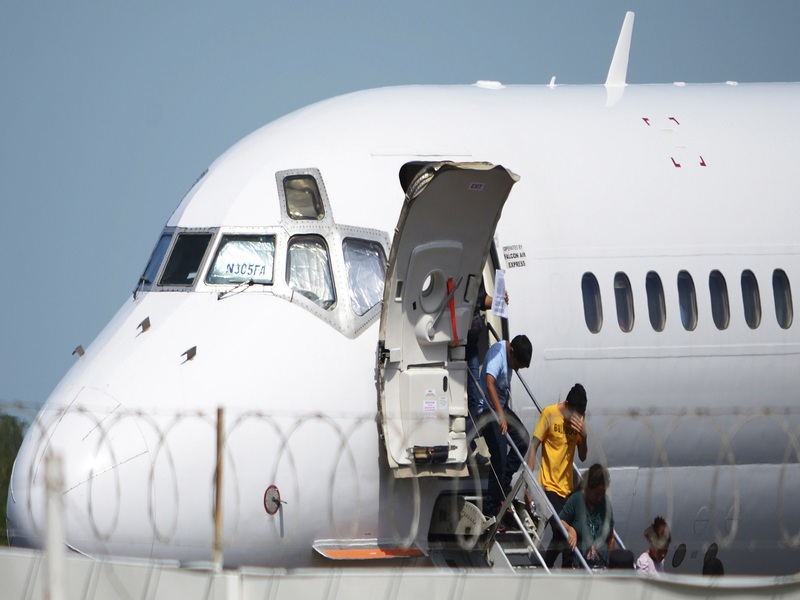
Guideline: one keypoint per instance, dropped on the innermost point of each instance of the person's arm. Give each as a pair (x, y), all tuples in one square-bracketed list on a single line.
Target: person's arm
[(572, 535), (487, 301), (612, 542), (535, 443), (491, 390), (534, 447), (579, 425), (582, 449)]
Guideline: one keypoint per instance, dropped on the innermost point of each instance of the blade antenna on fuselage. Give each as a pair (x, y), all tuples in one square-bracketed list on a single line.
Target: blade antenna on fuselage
[(618, 71)]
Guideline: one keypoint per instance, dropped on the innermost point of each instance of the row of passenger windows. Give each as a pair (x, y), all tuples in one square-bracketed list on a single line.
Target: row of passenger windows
[(250, 258), (687, 300)]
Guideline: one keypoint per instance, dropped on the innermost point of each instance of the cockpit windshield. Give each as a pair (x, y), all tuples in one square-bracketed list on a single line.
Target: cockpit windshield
[(185, 259), (366, 271), (308, 269), (156, 259), (243, 258)]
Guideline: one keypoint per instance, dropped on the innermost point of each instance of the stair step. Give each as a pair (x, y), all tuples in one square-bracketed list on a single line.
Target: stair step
[(517, 551)]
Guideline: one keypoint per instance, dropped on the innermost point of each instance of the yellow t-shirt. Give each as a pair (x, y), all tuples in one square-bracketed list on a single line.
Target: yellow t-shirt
[(558, 451)]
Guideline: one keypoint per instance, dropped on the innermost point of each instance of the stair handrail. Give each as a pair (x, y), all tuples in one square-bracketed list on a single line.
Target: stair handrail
[(525, 385), (508, 506), (533, 482)]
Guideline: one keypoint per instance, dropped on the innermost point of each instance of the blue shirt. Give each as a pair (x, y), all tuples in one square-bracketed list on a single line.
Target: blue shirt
[(496, 365)]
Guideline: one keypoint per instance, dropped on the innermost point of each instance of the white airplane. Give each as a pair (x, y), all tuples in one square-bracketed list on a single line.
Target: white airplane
[(648, 235)]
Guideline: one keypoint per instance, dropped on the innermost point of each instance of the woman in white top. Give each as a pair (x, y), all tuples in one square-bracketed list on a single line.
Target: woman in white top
[(651, 563)]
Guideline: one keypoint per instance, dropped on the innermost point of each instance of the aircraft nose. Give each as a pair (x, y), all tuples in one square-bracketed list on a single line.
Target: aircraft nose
[(100, 447)]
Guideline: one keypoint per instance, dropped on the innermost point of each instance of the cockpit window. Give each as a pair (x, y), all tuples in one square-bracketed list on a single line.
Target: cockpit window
[(185, 259), (308, 269), (243, 258), (366, 272), (156, 259), (303, 201)]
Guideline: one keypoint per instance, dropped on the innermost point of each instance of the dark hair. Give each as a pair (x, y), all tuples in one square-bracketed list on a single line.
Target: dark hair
[(620, 559), (652, 535), (597, 475), (576, 399), (523, 350), (713, 566)]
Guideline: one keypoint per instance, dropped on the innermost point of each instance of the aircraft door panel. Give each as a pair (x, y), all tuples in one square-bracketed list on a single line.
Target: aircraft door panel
[(441, 244)]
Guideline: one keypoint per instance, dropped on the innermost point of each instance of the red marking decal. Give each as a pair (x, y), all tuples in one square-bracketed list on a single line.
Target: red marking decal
[(452, 311), (677, 164), (646, 120), (702, 162), (674, 119)]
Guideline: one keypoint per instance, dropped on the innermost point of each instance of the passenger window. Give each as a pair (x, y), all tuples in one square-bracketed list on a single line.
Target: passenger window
[(782, 291), (185, 259), (751, 299), (151, 270), (687, 298), (720, 308), (243, 258), (624, 298), (366, 273), (655, 301), (303, 201), (308, 269), (592, 304)]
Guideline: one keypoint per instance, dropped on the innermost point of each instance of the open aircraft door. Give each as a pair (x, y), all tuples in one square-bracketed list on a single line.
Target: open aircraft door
[(440, 245)]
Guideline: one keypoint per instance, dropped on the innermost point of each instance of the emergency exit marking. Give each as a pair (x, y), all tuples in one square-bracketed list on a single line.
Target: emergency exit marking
[(476, 186)]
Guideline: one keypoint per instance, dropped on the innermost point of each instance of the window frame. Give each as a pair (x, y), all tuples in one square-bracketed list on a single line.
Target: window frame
[(329, 262), (751, 299), (145, 286), (291, 224), (656, 302), (687, 301), (382, 256), (788, 303), (623, 301), (221, 240), (199, 275), (720, 302), (592, 292)]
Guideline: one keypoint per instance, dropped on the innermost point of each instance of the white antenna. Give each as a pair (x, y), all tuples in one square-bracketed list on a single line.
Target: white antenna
[(618, 71)]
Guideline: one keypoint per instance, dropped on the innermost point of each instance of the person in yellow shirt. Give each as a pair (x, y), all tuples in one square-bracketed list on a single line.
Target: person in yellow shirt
[(561, 429)]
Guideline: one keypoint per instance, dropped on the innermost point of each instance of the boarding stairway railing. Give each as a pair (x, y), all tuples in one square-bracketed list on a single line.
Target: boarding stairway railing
[(500, 550), (575, 469), (526, 476)]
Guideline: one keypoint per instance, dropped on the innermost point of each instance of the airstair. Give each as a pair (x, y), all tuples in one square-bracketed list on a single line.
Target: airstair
[(461, 536), (513, 541)]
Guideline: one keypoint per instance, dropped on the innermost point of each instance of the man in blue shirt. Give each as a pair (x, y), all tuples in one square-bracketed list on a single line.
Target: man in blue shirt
[(501, 359)]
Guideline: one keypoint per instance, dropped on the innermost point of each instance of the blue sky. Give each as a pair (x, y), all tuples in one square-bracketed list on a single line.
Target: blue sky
[(109, 111)]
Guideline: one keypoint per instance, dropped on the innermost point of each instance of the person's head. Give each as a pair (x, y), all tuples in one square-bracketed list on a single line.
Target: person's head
[(521, 352), (596, 483), (576, 399), (659, 537), (713, 566)]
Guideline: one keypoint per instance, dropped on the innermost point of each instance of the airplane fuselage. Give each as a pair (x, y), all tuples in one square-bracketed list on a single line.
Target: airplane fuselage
[(649, 246)]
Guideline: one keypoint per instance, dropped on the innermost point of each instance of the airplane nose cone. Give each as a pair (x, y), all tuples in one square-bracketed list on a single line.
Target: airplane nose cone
[(102, 449)]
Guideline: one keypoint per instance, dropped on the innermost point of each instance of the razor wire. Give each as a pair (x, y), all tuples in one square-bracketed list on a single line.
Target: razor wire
[(284, 458)]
